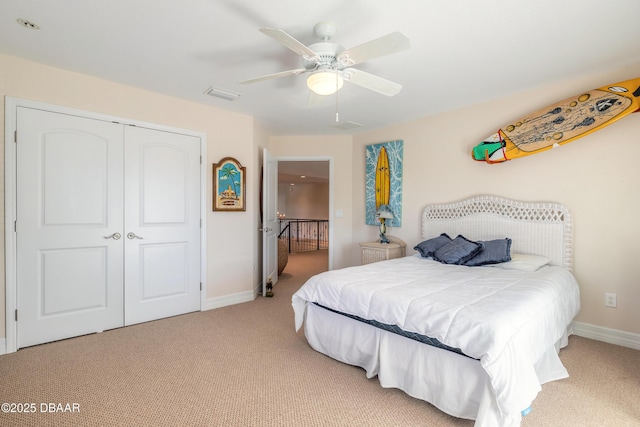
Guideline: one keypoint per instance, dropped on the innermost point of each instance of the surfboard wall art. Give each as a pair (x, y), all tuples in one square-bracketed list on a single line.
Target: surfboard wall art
[(561, 123), (383, 180)]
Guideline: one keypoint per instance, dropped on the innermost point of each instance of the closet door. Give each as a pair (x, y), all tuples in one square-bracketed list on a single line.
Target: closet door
[(162, 224), (69, 230)]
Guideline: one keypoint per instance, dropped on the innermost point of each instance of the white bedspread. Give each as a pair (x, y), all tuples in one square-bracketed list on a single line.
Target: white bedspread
[(507, 319)]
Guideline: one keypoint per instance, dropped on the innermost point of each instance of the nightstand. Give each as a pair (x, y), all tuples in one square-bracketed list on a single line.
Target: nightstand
[(376, 251)]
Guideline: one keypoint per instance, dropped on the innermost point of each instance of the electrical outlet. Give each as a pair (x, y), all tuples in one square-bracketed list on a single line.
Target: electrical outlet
[(610, 300)]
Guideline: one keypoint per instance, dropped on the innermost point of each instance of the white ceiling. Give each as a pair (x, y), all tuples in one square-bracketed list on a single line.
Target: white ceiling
[(463, 52), (303, 172)]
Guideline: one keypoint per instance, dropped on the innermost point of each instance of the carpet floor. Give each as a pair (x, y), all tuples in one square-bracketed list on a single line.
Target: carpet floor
[(244, 365)]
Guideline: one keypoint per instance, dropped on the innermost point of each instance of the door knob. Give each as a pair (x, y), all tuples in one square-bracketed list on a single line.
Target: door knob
[(114, 236), (133, 235)]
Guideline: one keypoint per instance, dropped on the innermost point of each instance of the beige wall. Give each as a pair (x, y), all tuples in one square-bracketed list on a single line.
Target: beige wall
[(304, 201), (338, 148), (596, 178), (231, 267)]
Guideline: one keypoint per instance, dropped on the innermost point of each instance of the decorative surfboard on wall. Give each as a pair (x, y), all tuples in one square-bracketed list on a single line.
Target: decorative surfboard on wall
[(561, 123), (383, 179)]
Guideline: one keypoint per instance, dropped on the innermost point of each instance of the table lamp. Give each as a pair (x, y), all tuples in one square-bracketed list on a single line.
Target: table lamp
[(383, 214)]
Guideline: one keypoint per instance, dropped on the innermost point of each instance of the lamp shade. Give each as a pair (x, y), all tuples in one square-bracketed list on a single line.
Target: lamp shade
[(325, 82), (384, 211)]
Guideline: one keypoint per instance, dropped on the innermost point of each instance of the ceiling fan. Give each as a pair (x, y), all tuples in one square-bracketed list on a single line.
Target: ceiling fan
[(330, 64)]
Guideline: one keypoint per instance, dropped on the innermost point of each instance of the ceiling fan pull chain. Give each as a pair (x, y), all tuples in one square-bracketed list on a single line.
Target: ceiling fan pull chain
[(337, 90)]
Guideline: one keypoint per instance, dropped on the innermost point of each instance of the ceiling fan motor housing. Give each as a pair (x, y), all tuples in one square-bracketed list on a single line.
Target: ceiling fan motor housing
[(327, 52)]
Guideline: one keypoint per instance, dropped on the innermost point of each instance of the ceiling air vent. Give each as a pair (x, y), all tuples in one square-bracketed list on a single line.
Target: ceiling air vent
[(221, 93), (347, 125)]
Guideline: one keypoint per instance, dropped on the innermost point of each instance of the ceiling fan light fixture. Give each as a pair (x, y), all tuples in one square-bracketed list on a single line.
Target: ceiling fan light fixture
[(325, 82)]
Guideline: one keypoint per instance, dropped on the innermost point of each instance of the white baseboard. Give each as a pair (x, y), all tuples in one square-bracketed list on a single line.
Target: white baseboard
[(611, 336), (226, 300), (3, 346)]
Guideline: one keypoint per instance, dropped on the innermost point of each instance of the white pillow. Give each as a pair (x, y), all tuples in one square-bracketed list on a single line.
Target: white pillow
[(523, 262)]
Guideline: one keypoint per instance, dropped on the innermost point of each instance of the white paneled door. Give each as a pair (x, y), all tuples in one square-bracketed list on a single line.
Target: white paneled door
[(162, 224), (269, 220), (108, 223)]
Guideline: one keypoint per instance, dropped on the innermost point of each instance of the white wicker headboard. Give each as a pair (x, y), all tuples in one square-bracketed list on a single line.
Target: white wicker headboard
[(534, 228)]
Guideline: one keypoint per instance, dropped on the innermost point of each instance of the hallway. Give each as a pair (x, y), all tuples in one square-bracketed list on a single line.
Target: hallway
[(302, 265)]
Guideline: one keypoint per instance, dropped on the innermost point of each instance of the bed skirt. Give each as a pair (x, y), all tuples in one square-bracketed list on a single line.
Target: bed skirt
[(453, 383)]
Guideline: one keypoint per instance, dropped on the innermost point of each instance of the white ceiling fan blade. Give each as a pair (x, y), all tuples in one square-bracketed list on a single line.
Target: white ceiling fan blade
[(372, 82), (290, 42), (276, 75), (385, 45)]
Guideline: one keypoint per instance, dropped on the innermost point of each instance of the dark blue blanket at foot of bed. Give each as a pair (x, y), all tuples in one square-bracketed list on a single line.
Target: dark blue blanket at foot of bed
[(398, 331)]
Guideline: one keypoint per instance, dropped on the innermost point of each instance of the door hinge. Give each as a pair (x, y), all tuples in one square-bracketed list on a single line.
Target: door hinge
[(16, 314), (15, 136), (200, 159), (15, 226), (200, 222), (200, 285)]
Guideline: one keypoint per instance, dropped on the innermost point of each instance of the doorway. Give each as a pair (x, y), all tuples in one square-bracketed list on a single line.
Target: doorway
[(304, 211)]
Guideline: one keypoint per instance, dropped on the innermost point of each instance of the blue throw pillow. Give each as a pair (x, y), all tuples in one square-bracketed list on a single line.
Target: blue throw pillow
[(458, 251), (428, 247), (494, 252)]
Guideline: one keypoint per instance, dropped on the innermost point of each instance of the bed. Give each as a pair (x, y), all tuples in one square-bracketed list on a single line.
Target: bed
[(476, 342)]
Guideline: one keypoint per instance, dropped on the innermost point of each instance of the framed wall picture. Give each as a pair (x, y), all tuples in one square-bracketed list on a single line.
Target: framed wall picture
[(229, 185)]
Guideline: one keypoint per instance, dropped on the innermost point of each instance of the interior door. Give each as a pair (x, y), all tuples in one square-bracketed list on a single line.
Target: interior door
[(69, 229), (162, 224), (108, 225), (269, 220)]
